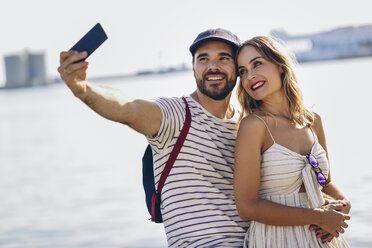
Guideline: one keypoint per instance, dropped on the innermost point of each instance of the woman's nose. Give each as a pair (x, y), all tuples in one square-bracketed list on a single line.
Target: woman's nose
[(251, 75)]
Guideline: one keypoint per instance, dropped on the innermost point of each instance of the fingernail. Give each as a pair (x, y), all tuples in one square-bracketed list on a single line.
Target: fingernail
[(344, 205), (317, 233)]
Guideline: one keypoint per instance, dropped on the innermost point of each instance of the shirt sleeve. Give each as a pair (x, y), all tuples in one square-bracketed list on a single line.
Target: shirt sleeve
[(173, 116)]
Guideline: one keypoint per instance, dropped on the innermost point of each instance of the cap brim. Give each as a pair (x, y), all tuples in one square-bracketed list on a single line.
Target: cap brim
[(197, 44)]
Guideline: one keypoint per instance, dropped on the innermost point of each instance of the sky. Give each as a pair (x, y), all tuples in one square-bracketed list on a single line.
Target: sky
[(148, 34)]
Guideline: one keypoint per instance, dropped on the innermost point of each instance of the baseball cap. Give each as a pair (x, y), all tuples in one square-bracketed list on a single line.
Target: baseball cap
[(218, 34)]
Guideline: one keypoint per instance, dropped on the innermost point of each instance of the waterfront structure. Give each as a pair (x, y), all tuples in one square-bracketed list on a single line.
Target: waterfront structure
[(339, 43), (26, 69)]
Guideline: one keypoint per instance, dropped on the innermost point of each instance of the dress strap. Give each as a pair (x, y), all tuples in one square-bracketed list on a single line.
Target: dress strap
[(314, 135), (266, 127)]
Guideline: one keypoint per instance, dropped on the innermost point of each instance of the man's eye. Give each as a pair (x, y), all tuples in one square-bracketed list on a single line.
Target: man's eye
[(202, 59), (225, 58)]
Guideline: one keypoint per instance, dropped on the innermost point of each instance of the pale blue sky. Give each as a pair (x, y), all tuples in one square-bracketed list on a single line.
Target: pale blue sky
[(146, 34)]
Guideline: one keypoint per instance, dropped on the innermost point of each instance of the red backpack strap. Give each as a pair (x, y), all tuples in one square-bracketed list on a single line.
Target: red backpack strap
[(176, 149), (156, 197)]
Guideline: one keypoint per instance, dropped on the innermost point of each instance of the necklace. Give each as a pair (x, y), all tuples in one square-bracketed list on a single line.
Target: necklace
[(278, 116)]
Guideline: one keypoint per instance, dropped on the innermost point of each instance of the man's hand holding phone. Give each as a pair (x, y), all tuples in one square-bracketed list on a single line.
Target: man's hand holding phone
[(74, 74), (73, 66)]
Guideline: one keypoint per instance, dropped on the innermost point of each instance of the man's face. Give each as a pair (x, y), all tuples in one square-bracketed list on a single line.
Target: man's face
[(214, 69)]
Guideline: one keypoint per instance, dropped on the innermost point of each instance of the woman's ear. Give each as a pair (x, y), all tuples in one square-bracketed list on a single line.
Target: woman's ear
[(282, 73)]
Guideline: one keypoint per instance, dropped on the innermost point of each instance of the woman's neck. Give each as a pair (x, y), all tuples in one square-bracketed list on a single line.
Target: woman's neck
[(279, 108)]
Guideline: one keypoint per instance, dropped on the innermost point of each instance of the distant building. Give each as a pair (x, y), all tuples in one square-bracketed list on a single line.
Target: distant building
[(339, 43), (27, 69)]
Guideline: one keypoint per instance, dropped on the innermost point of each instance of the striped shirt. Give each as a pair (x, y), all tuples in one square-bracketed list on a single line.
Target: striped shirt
[(198, 204)]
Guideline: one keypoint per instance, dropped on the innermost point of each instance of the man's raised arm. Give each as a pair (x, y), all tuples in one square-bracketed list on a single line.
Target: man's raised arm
[(141, 115)]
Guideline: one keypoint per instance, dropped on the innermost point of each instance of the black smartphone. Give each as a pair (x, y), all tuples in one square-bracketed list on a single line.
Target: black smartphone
[(91, 41)]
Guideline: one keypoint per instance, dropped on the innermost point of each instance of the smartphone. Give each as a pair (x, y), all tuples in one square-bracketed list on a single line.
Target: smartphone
[(90, 41)]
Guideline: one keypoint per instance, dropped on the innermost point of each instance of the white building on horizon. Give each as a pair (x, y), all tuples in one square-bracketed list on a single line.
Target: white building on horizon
[(339, 43), (26, 69)]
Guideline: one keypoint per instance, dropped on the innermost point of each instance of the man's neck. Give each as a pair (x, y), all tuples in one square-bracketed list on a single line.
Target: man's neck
[(219, 108)]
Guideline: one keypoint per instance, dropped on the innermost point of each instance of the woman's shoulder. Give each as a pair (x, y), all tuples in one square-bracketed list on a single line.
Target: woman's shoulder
[(317, 117), (318, 129), (317, 124), (253, 121), (253, 127)]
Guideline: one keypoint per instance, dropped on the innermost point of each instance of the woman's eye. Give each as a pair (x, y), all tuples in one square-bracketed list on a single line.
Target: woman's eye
[(242, 72), (257, 63)]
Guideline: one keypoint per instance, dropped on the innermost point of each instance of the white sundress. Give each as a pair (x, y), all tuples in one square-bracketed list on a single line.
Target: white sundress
[(283, 171)]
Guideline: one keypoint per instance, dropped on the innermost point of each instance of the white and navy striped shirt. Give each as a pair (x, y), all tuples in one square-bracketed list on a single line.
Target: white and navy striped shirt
[(198, 204)]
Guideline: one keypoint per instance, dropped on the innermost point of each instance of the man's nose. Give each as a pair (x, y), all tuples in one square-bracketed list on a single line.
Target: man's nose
[(213, 65)]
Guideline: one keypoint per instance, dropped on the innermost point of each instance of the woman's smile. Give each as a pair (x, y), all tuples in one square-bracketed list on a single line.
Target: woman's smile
[(257, 85)]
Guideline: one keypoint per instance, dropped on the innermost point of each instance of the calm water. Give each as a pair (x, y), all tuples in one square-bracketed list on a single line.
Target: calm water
[(69, 178)]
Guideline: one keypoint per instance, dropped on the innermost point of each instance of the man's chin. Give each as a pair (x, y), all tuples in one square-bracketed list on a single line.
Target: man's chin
[(216, 96), (215, 92)]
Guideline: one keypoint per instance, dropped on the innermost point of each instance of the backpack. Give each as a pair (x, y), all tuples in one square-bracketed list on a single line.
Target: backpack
[(153, 196)]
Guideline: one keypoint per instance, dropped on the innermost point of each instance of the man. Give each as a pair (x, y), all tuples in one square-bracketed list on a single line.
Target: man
[(198, 205)]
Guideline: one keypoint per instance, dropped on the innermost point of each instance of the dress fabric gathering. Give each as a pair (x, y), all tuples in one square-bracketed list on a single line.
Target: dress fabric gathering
[(283, 171)]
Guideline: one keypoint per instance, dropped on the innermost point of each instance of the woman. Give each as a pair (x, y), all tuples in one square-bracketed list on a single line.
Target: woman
[(281, 161)]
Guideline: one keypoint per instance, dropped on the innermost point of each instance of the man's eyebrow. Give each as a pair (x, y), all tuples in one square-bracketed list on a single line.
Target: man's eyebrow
[(226, 54), (255, 59), (202, 55)]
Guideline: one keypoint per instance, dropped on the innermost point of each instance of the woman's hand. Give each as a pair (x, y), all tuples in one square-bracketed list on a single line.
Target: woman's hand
[(322, 234), (332, 219), (346, 205)]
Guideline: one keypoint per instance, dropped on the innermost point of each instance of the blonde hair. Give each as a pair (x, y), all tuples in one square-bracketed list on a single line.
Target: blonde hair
[(274, 52)]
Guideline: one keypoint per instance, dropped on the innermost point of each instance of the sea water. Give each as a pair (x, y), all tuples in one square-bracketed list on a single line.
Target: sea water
[(70, 178)]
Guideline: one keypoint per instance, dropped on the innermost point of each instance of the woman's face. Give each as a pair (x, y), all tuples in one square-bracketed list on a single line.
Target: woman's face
[(259, 77)]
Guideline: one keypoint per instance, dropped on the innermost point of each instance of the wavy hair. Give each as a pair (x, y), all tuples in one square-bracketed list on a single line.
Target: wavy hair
[(274, 52)]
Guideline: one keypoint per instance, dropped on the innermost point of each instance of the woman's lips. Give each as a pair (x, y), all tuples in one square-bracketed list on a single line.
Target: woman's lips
[(257, 85)]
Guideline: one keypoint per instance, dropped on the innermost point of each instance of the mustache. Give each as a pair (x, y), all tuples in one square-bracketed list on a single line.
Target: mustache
[(214, 73)]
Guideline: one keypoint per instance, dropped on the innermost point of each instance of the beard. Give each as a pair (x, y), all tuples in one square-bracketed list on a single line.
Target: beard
[(215, 91)]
